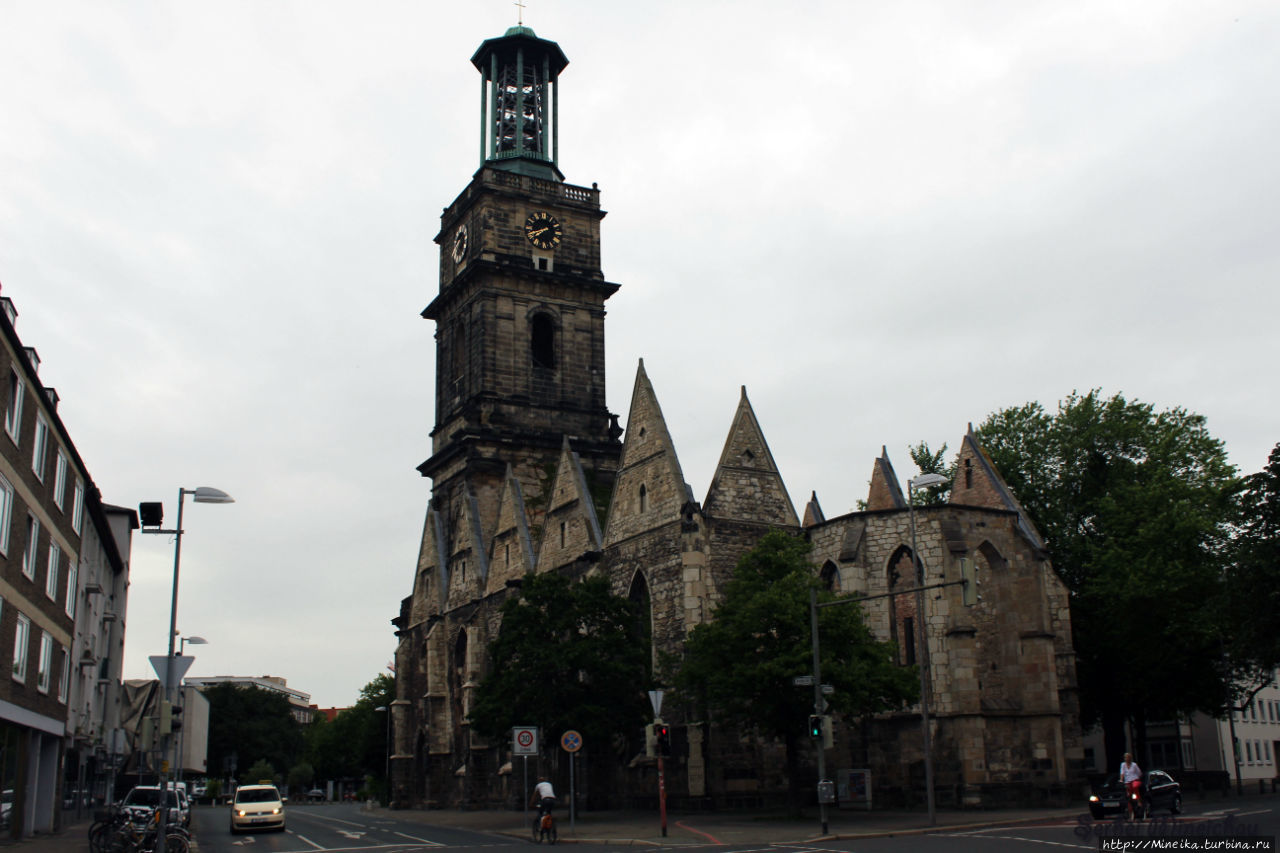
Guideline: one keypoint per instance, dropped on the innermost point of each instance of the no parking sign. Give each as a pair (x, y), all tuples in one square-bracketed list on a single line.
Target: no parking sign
[(524, 740)]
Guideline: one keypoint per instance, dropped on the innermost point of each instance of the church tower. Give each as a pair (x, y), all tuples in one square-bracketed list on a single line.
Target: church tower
[(520, 362)]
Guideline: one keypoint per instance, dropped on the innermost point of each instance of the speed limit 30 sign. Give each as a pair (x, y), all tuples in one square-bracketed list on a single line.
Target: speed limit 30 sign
[(524, 740)]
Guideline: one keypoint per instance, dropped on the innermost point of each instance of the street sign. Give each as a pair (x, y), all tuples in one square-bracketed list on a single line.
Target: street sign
[(524, 740), (802, 681), (571, 741), (181, 663), (827, 690), (655, 699)]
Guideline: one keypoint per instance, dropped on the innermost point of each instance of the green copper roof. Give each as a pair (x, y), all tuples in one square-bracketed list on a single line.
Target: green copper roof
[(524, 39)]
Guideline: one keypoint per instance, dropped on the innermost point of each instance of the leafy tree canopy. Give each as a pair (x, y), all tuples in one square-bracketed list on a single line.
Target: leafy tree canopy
[(568, 656), (253, 725), (738, 667), (1135, 506), (1252, 620)]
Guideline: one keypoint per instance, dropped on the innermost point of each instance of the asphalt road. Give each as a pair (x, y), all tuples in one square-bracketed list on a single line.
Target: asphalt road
[(342, 828)]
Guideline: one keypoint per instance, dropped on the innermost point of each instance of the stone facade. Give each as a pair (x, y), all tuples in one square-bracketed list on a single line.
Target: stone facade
[(529, 475)]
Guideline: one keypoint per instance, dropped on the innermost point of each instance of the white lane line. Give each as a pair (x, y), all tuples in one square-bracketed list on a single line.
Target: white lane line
[(1020, 838), (303, 838), (338, 820), (422, 840)]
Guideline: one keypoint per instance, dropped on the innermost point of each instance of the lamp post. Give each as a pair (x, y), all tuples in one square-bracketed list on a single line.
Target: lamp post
[(387, 708), (923, 481), (154, 514), (182, 697)]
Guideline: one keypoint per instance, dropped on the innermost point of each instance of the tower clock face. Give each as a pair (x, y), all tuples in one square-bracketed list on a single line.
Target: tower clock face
[(543, 230), (460, 244)]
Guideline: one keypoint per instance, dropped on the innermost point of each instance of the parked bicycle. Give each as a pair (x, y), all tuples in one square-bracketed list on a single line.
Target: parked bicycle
[(113, 832)]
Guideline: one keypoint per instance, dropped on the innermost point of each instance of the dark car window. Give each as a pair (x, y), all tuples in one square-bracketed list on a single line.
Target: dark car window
[(257, 795)]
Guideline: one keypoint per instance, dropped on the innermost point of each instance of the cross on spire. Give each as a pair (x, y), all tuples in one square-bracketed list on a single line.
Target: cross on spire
[(519, 14)]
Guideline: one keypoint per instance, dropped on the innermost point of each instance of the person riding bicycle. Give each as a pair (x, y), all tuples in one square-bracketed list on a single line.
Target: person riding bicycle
[(1131, 777), (544, 796)]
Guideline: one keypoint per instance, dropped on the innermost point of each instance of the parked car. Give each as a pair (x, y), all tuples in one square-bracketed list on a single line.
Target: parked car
[(257, 807), (1159, 791), (199, 789), (315, 795), (142, 801)]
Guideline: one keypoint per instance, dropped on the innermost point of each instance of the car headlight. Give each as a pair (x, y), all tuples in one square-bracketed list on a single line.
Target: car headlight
[(276, 810), (1093, 798), (240, 812)]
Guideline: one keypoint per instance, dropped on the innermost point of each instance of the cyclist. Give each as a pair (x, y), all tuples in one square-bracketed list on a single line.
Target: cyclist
[(1131, 777), (544, 797)]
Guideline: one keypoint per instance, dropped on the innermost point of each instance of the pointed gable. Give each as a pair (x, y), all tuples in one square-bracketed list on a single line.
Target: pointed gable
[(432, 577), (650, 487), (813, 511), (571, 529), (885, 492), (978, 483), (468, 563), (511, 554), (746, 485)]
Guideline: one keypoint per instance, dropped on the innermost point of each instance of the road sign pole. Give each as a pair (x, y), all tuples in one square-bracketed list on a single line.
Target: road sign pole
[(526, 789), (573, 799), (662, 796)]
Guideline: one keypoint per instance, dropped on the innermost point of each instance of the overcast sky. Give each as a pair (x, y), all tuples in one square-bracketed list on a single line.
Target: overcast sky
[(886, 220)]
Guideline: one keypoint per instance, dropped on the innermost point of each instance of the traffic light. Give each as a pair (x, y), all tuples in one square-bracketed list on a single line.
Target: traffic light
[(663, 738), (969, 589), (815, 725), (166, 717), (828, 732), (175, 717), (650, 741)]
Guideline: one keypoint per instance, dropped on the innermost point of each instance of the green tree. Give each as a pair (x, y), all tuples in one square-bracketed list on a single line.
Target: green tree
[(737, 668), (932, 462), (354, 744), (1135, 506), (1251, 623), (252, 724), (300, 777), (568, 656), (260, 773)]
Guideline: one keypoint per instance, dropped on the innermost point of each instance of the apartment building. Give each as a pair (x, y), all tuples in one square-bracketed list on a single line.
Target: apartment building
[(60, 547)]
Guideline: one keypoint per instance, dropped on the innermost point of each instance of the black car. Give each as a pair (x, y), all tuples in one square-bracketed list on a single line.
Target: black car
[(1159, 792)]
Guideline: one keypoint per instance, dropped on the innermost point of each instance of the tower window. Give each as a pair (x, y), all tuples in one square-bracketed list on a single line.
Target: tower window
[(543, 342), (563, 528), (644, 498)]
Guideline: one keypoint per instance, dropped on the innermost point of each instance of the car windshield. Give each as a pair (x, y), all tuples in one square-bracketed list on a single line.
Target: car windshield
[(148, 797), (257, 795)]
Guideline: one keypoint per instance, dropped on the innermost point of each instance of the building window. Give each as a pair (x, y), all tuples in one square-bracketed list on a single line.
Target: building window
[(66, 675), (1248, 752), (45, 673), (77, 508), (60, 480), (909, 639), (51, 581), (40, 447), (644, 498), (6, 513), (13, 412), (33, 543), (562, 532), (20, 636), (72, 576), (543, 341), (1267, 746)]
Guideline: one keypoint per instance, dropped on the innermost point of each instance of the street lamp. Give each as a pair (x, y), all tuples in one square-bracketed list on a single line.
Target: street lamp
[(388, 750), (153, 513), (182, 697), (195, 641), (923, 481)]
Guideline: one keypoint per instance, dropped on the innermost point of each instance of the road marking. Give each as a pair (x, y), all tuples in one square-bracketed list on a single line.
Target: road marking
[(1020, 838), (307, 840), (334, 819), (354, 836), (422, 840)]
